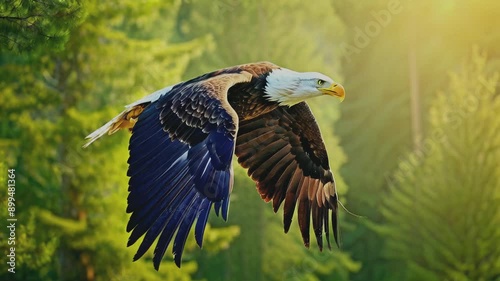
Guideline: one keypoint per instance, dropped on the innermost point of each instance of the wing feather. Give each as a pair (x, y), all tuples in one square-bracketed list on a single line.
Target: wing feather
[(283, 180), (279, 151), (284, 153), (180, 164), (304, 210), (291, 198)]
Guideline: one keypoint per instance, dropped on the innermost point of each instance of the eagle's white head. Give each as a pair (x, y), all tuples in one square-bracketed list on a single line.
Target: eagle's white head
[(289, 87)]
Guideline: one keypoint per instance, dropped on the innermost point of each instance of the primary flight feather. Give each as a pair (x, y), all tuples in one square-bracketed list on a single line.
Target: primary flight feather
[(182, 145)]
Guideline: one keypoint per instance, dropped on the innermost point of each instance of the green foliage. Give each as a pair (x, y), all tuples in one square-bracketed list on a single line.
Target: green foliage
[(66, 67), (71, 202), (443, 210), (247, 31), (375, 123)]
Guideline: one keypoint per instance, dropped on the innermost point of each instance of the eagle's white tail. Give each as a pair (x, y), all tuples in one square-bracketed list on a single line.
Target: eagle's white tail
[(105, 129)]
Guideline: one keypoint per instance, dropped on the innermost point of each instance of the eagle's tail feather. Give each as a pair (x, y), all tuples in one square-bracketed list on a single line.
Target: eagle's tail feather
[(125, 120)]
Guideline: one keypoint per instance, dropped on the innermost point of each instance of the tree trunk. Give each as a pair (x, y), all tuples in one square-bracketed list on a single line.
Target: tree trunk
[(416, 114), (73, 264)]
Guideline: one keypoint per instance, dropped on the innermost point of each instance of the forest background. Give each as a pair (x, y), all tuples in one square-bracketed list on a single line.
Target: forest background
[(415, 146)]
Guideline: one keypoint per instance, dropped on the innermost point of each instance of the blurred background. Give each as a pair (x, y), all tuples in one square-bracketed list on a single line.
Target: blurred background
[(415, 146)]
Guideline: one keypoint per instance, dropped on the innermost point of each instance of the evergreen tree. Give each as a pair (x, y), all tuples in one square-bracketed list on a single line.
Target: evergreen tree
[(390, 55), (35, 25), (443, 210)]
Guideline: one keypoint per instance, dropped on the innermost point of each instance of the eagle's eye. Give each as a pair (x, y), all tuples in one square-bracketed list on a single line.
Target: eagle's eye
[(320, 82)]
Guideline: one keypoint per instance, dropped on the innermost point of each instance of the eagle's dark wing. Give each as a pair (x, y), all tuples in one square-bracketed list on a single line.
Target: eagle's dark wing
[(285, 154), (180, 163)]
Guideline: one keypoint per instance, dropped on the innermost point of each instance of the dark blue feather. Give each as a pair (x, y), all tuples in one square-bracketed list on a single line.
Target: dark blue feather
[(160, 177), (203, 212), (143, 218), (159, 224), (183, 231), (171, 226)]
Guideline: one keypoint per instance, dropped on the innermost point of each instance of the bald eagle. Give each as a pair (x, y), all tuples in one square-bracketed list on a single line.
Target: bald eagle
[(182, 145)]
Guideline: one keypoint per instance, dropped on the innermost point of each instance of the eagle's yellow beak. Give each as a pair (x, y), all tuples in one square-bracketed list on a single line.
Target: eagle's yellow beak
[(335, 90)]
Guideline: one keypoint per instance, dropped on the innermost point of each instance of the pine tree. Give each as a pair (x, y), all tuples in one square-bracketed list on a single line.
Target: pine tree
[(389, 49), (28, 26), (443, 210)]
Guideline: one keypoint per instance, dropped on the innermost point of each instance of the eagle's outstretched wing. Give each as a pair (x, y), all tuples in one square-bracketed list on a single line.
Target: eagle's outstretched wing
[(285, 154), (180, 163)]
